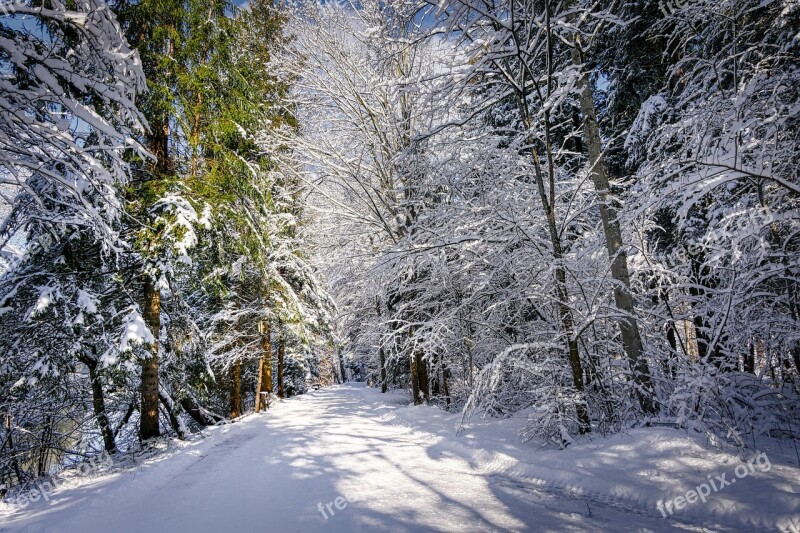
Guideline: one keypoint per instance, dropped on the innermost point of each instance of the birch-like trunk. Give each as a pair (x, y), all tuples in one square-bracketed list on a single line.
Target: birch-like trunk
[(628, 325)]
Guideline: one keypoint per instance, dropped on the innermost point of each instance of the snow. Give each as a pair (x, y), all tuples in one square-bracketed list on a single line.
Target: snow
[(134, 330), (47, 295), (182, 226), (391, 467), (87, 303)]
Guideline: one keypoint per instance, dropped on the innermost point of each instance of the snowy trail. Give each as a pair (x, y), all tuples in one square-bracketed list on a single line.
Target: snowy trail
[(271, 472)]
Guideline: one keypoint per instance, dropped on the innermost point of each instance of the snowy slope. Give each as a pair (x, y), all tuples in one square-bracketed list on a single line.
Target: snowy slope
[(401, 468)]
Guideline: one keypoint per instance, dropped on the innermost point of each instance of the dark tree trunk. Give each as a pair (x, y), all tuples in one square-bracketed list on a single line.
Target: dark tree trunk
[(200, 415), (793, 307), (750, 359), (281, 347), (148, 425), (705, 282), (796, 357), (99, 406), (169, 407), (44, 448), (445, 385), (414, 378), (422, 374), (341, 365), (381, 353), (672, 336), (383, 369), (128, 414), (236, 390), (11, 453)]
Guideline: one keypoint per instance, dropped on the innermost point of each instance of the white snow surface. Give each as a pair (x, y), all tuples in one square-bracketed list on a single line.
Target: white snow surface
[(403, 468)]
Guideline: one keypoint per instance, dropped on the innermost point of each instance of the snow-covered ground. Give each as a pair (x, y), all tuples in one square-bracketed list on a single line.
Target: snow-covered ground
[(347, 459)]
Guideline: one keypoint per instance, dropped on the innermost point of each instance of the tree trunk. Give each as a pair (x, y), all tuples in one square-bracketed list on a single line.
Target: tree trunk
[(562, 294), (169, 407), (382, 355), (750, 359), (445, 385), (793, 307), (126, 417), (796, 357), (341, 365), (11, 453), (629, 328), (148, 425), (547, 196), (414, 368), (470, 344), (264, 384), (99, 405), (422, 374), (198, 414), (236, 390), (672, 336), (705, 282), (158, 142), (281, 347), (44, 448)]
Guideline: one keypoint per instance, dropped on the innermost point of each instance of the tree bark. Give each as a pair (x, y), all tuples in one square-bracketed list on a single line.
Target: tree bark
[(99, 406), (546, 189), (381, 352), (128, 414), (445, 385), (423, 383), (148, 425), (796, 357), (169, 407), (236, 390), (750, 359), (281, 347), (414, 369), (436, 387), (562, 294), (793, 307), (341, 365), (44, 448), (414, 379), (382, 356), (11, 452), (264, 384), (198, 414), (629, 328)]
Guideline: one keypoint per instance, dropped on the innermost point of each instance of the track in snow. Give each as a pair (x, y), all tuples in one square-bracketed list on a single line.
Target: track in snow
[(270, 473)]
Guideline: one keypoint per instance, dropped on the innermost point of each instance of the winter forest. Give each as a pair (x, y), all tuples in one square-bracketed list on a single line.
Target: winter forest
[(556, 224)]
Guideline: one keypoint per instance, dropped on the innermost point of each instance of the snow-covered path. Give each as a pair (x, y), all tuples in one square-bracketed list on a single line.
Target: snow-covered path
[(283, 471)]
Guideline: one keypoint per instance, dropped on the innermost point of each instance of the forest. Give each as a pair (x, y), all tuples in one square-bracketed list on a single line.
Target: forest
[(582, 214)]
